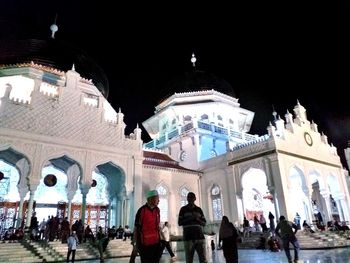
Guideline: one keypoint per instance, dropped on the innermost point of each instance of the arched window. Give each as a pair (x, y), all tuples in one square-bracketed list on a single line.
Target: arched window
[(216, 202), (184, 191), (187, 118), (204, 117), (163, 203)]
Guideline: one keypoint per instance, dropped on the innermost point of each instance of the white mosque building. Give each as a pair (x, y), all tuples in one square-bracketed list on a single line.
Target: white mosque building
[(64, 151)]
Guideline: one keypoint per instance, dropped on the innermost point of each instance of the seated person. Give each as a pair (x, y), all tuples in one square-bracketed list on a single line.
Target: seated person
[(19, 234), (273, 244), (88, 234), (320, 225), (307, 228), (127, 232), (344, 227), (112, 232), (120, 232), (337, 227)]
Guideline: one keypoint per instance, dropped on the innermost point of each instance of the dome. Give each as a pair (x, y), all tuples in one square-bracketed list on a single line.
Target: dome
[(197, 81), (56, 54)]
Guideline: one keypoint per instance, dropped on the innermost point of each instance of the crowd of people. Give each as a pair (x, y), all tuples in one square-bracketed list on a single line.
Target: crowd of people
[(149, 239)]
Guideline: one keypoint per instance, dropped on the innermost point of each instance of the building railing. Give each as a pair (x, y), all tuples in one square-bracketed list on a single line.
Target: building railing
[(214, 129)]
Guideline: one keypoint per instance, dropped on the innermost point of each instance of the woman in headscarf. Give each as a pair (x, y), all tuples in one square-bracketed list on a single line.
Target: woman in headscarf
[(228, 236)]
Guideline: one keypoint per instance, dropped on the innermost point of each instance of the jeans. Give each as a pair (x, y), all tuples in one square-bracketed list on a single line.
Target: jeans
[(73, 254), (295, 243), (195, 245)]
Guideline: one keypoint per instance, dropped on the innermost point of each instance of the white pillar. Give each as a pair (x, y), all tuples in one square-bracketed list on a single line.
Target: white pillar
[(84, 191), (20, 212), (30, 208)]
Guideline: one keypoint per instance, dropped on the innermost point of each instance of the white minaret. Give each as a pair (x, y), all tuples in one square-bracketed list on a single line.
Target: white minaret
[(54, 28), (193, 60)]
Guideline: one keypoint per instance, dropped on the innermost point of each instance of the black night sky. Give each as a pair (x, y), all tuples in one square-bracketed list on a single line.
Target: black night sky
[(270, 55)]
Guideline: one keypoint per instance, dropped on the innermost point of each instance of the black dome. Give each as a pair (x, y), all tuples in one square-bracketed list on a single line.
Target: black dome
[(56, 54), (197, 81)]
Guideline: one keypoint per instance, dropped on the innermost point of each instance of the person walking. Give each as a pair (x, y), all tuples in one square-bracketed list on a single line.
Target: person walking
[(228, 236), (192, 219), (166, 240), (72, 242), (262, 222), (272, 222), (147, 231), (246, 227), (284, 230)]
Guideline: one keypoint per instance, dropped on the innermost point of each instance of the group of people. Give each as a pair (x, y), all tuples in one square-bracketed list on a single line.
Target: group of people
[(150, 240), (259, 223)]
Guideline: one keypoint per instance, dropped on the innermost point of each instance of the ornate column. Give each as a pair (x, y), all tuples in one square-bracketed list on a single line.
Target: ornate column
[(172, 209), (328, 212), (22, 187), (73, 174), (118, 210), (278, 184), (30, 207), (127, 207), (32, 188), (20, 212), (84, 191)]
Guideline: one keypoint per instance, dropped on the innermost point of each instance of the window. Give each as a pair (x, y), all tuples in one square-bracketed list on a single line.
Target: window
[(213, 153), (204, 117), (184, 191), (216, 202), (183, 156), (163, 203), (187, 118)]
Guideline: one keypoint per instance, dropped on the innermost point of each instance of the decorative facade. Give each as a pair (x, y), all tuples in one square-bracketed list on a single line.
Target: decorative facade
[(57, 123)]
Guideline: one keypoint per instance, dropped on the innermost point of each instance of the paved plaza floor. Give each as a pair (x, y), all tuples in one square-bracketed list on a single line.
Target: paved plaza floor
[(340, 255)]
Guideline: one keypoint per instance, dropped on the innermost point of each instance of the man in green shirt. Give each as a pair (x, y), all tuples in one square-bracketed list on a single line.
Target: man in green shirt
[(284, 230)]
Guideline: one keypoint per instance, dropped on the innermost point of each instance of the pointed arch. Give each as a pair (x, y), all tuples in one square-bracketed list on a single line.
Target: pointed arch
[(163, 205), (184, 190), (216, 202)]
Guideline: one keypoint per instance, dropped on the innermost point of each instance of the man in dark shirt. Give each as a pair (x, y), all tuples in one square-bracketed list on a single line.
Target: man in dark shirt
[(192, 219), (285, 231)]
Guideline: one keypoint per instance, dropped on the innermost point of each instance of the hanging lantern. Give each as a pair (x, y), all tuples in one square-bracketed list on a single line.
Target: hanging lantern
[(50, 180), (1, 175), (94, 183), (269, 197)]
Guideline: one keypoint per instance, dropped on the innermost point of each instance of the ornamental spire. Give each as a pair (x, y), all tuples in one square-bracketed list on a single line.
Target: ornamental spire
[(193, 60)]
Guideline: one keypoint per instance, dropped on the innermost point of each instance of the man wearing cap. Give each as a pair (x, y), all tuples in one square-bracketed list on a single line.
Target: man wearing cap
[(192, 219), (147, 229)]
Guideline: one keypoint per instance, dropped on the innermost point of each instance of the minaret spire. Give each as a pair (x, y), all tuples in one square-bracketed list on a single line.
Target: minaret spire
[(193, 60), (54, 28), (274, 113)]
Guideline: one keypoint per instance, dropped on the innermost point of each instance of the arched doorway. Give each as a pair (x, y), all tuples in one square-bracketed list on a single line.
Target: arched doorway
[(256, 197)]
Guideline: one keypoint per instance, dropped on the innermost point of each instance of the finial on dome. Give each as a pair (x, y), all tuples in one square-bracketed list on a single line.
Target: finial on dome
[(73, 67), (274, 113), (193, 60), (54, 28)]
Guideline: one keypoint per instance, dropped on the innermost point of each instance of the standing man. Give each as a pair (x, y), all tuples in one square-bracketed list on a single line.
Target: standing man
[(284, 230), (166, 240), (72, 246), (192, 219), (147, 231)]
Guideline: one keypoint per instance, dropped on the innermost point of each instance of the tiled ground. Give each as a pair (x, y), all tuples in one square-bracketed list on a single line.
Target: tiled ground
[(340, 255)]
